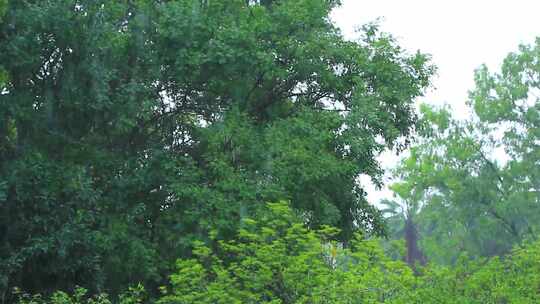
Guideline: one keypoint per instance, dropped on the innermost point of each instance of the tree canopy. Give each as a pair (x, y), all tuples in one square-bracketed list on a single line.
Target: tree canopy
[(131, 129)]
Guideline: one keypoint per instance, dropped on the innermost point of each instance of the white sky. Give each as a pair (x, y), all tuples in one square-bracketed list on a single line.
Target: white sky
[(460, 35)]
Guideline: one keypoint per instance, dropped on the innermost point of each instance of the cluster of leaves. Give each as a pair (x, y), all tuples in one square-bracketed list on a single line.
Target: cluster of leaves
[(511, 279), (135, 295), (275, 259), (130, 129)]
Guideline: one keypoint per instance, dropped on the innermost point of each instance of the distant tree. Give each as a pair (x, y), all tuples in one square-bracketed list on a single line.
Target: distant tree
[(478, 180), (402, 218)]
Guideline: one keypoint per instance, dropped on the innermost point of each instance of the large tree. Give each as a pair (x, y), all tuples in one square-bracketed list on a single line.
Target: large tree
[(130, 129)]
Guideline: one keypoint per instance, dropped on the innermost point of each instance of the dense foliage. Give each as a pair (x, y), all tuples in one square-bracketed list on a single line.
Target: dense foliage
[(140, 142), (131, 129), (275, 259)]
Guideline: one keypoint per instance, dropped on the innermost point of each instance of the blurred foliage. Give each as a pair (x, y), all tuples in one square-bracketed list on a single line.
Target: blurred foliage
[(474, 184)]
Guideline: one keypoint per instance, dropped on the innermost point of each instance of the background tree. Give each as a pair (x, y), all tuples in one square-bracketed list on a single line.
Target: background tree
[(402, 217), (478, 179)]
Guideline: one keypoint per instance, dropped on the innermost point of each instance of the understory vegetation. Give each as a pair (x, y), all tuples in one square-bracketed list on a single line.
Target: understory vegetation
[(204, 151)]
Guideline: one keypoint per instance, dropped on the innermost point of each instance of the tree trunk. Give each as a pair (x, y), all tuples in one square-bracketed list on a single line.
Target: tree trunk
[(414, 254)]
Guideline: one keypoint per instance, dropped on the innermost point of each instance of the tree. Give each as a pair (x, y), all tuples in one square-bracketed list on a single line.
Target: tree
[(402, 220), (130, 129), (477, 179)]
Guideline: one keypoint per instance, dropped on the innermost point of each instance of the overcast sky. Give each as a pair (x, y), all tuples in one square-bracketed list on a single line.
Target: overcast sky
[(460, 35)]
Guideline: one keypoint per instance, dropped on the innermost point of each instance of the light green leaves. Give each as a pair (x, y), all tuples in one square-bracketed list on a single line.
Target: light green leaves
[(276, 260)]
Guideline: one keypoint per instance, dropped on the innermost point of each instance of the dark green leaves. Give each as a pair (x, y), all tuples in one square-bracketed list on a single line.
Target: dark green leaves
[(128, 130)]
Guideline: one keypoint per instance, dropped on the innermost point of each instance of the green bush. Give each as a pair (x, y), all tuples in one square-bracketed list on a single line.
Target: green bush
[(511, 279), (134, 295), (275, 259)]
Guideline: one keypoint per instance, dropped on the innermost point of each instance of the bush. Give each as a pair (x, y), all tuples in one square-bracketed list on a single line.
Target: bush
[(275, 259)]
